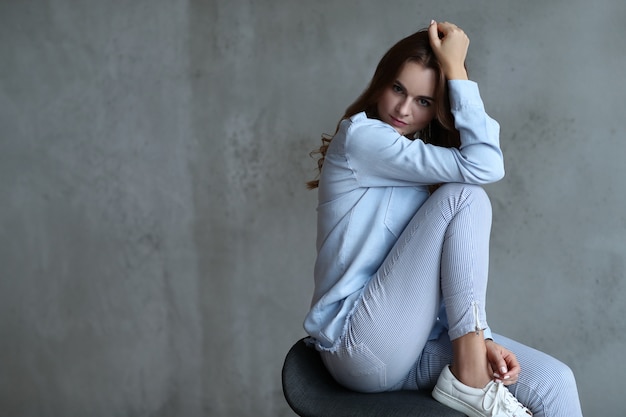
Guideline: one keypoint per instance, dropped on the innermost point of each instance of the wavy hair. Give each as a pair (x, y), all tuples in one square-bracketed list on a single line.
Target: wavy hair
[(413, 48)]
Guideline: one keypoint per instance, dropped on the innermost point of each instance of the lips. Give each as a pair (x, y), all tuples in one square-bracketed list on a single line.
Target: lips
[(397, 122)]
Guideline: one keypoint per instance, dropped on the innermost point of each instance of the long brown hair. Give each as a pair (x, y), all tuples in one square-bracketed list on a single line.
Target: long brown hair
[(413, 48)]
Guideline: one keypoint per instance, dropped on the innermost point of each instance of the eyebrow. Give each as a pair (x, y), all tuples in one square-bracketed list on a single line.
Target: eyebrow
[(422, 97)]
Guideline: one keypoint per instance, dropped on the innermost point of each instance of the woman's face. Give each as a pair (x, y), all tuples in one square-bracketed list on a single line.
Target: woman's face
[(408, 104)]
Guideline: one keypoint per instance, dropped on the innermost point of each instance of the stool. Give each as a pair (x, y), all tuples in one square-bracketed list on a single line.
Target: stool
[(310, 391)]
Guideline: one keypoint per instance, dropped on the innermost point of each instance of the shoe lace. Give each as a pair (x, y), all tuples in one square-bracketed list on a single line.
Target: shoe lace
[(503, 400)]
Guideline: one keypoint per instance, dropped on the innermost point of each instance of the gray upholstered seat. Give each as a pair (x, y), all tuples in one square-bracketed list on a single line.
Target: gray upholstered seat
[(312, 392)]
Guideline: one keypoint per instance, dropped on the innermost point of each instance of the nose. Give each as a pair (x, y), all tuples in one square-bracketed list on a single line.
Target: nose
[(403, 107)]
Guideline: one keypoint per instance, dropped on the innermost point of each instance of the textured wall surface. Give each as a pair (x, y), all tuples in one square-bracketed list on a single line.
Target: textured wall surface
[(156, 239)]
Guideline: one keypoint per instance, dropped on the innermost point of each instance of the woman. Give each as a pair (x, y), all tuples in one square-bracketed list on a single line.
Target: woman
[(401, 273)]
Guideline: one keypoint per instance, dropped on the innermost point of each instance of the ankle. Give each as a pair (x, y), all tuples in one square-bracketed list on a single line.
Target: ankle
[(470, 364), (472, 376)]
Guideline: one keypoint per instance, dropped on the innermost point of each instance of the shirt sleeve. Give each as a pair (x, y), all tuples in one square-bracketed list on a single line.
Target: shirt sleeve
[(379, 156)]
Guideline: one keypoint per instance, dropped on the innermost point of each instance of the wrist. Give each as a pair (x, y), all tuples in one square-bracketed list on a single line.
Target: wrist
[(456, 75), (454, 70)]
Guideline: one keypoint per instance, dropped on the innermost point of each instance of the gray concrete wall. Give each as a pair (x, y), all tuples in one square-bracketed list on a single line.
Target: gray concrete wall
[(156, 239)]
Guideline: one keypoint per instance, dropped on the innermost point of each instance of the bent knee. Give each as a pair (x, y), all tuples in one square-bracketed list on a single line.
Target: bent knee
[(461, 194), (457, 188), (562, 373)]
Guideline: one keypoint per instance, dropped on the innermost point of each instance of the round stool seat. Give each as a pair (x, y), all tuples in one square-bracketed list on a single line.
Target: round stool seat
[(311, 392)]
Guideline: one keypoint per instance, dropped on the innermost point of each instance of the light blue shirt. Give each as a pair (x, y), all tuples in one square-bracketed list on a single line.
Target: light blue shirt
[(372, 183)]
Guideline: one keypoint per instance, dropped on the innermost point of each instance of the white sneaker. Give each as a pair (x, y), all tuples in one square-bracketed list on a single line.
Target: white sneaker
[(494, 400)]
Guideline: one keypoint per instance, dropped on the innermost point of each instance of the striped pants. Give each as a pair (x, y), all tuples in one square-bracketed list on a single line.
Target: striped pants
[(443, 253)]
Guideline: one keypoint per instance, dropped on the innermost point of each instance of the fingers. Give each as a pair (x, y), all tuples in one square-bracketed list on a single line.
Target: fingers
[(439, 30), (498, 364), (433, 34), (508, 374), (503, 362), (450, 45), (513, 368), (444, 27)]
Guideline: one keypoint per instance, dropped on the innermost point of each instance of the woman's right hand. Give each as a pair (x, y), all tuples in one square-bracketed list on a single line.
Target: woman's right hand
[(450, 48)]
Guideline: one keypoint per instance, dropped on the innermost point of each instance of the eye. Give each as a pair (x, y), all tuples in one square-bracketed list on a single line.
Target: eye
[(397, 88), (423, 102)]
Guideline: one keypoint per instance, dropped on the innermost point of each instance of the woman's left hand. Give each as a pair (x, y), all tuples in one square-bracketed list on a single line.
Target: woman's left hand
[(503, 363)]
